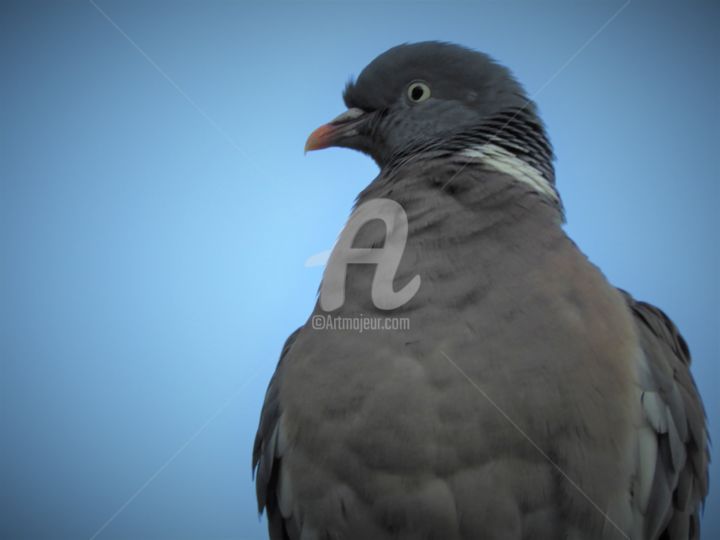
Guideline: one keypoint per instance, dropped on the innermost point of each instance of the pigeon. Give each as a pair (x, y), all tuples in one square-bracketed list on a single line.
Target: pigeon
[(512, 392)]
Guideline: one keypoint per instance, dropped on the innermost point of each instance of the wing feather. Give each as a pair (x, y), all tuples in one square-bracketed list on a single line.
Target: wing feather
[(670, 497), (267, 458)]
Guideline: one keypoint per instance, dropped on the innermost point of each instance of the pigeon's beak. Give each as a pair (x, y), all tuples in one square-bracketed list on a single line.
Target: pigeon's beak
[(338, 132)]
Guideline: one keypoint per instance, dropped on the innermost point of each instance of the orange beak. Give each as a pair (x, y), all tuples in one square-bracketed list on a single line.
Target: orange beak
[(335, 131), (322, 137)]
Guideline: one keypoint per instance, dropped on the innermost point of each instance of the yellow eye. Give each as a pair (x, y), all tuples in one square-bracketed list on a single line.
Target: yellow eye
[(418, 91)]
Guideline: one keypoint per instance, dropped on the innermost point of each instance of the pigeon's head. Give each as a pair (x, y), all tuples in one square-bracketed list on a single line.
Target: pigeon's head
[(415, 95)]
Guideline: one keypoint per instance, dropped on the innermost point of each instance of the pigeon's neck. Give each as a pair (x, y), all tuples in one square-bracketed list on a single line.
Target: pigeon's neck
[(471, 200), (512, 142)]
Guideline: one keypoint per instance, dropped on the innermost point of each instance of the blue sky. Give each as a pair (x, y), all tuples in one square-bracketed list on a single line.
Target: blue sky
[(156, 212)]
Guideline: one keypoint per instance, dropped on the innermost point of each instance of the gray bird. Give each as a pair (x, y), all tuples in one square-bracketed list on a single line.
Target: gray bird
[(529, 398)]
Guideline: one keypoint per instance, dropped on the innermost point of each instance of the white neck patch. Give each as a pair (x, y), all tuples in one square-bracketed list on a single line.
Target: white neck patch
[(497, 158)]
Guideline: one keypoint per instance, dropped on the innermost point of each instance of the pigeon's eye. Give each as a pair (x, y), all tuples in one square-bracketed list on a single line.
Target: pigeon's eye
[(418, 91)]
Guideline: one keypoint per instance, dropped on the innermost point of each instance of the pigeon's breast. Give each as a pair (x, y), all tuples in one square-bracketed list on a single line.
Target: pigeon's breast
[(501, 388)]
